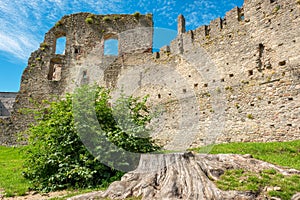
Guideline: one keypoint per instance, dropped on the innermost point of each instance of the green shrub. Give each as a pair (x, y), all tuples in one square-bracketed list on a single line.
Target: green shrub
[(57, 157), (106, 18), (59, 23), (229, 88), (44, 44), (149, 15), (250, 116), (237, 105), (116, 17), (137, 15), (277, 8), (89, 20)]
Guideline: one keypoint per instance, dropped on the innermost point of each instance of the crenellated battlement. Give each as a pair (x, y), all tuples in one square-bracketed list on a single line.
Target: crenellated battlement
[(240, 18), (253, 57), (232, 20)]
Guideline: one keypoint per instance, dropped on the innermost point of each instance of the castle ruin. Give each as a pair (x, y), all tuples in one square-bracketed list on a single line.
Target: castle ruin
[(236, 79)]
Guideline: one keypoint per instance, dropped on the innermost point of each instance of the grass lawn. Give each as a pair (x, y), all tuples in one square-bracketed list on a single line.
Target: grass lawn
[(243, 180), (11, 166), (280, 153)]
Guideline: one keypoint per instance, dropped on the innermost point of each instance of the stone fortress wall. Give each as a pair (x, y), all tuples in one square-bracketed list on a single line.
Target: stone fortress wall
[(236, 79), (239, 78), (256, 52), (7, 100)]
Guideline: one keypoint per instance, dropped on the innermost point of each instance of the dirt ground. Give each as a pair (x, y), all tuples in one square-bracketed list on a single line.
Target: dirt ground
[(37, 196)]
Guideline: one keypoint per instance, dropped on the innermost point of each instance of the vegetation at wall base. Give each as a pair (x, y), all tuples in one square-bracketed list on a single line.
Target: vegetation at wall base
[(57, 158), (280, 153)]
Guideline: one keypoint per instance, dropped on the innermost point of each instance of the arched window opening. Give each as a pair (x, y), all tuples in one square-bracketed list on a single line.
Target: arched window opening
[(111, 47), (60, 45)]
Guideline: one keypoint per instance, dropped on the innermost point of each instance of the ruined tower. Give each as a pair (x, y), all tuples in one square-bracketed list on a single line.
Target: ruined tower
[(50, 74)]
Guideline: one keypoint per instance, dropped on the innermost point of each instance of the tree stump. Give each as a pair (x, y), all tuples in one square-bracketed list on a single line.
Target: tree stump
[(183, 176)]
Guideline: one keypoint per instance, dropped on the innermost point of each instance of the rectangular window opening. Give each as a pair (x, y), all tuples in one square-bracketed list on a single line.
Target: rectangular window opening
[(111, 47), (55, 71), (60, 45)]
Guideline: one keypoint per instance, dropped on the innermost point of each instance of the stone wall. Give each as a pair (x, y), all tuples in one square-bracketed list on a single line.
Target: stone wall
[(7, 100), (254, 52), (236, 79), (50, 75), (7, 134)]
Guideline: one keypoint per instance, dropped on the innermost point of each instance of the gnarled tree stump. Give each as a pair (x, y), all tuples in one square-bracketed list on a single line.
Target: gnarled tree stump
[(183, 176)]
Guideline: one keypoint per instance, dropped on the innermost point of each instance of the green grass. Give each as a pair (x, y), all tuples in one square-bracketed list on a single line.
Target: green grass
[(243, 180), (11, 179), (280, 153)]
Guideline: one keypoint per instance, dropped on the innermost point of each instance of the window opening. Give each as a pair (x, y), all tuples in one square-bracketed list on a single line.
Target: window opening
[(111, 47), (60, 45)]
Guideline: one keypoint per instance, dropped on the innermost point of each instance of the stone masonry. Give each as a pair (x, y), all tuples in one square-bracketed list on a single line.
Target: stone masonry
[(236, 79), (7, 100)]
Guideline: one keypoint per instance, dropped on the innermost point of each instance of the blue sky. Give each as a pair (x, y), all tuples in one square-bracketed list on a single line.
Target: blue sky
[(23, 23)]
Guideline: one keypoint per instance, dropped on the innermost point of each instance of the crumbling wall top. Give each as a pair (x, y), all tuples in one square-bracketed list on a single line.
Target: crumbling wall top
[(86, 29)]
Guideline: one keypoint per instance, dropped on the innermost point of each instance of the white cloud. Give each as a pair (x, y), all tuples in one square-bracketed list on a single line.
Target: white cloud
[(16, 35), (23, 23), (8, 44)]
